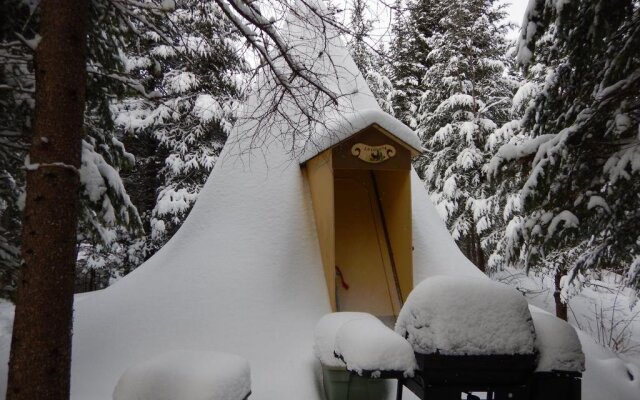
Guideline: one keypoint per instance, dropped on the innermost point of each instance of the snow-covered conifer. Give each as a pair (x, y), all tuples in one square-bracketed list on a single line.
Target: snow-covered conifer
[(580, 204), (415, 21), (466, 98), (372, 61), (177, 133)]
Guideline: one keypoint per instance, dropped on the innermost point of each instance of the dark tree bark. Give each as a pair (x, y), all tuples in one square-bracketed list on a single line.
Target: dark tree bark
[(39, 367), (561, 308), (472, 248)]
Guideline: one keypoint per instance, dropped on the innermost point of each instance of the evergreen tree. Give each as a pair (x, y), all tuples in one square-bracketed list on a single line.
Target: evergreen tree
[(178, 134), (104, 202), (16, 102), (414, 23), (373, 63), (176, 67), (580, 202), (465, 100)]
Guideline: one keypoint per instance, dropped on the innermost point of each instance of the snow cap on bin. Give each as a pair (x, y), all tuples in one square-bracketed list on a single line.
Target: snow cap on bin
[(459, 315)]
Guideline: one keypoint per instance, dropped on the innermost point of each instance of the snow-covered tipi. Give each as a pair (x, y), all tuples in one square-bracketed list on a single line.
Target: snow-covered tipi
[(251, 271), (245, 274)]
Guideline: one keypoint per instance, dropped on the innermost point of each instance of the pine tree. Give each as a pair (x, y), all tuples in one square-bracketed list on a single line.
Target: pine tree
[(580, 197), (465, 100), (372, 62), (414, 23), (16, 102), (105, 205), (178, 134)]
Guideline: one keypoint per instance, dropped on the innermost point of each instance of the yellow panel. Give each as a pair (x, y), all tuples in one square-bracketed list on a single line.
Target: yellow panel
[(320, 176), (361, 248), (394, 189)]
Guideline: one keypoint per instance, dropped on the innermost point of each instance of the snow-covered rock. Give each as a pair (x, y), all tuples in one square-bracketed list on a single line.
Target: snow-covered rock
[(186, 375), (326, 332), (558, 344), (463, 315), (368, 345)]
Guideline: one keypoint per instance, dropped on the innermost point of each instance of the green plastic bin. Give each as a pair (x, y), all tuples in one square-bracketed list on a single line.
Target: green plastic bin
[(340, 384)]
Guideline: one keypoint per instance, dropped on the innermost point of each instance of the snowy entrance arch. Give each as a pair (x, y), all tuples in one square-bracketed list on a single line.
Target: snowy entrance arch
[(361, 191)]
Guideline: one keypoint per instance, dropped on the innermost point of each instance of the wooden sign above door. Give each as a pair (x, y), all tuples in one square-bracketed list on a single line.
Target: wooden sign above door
[(371, 149), (373, 154)]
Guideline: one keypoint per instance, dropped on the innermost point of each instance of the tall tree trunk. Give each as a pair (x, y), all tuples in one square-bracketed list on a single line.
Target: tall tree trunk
[(39, 367), (561, 308), (474, 248), (480, 259)]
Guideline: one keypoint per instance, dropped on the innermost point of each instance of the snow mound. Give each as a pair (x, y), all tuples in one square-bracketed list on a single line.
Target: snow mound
[(368, 345), (186, 375), (326, 332), (558, 344), (464, 315)]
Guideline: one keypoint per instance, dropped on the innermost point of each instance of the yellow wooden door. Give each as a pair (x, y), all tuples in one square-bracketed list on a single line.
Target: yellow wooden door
[(361, 248)]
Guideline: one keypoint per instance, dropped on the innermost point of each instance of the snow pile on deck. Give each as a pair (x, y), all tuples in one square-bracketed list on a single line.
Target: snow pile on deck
[(368, 345), (464, 315), (326, 332), (186, 375), (558, 344)]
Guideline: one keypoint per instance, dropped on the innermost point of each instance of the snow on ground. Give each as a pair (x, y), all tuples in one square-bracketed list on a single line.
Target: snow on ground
[(607, 376), (186, 375), (604, 309), (457, 315), (368, 345), (6, 326)]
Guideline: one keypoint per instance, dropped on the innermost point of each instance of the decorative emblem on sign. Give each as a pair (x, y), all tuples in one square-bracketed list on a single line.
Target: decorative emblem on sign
[(373, 154)]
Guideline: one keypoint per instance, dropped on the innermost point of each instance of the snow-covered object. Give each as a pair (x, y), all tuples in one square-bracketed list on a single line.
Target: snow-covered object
[(606, 376), (459, 315), (186, 375), (366, 344), (325, 335), (557, 343)]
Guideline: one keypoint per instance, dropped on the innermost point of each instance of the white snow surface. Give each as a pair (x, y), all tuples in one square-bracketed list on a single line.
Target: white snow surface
[(186, 375), (458, 316), (557, 343), (606, 376), (325, 335), (366, 344)]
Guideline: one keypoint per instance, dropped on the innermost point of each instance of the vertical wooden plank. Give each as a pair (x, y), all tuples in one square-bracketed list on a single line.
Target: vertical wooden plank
[(320, 175)]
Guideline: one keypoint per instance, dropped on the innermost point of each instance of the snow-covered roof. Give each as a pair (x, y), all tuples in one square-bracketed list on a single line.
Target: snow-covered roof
[(273, 114), (357, 120)]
